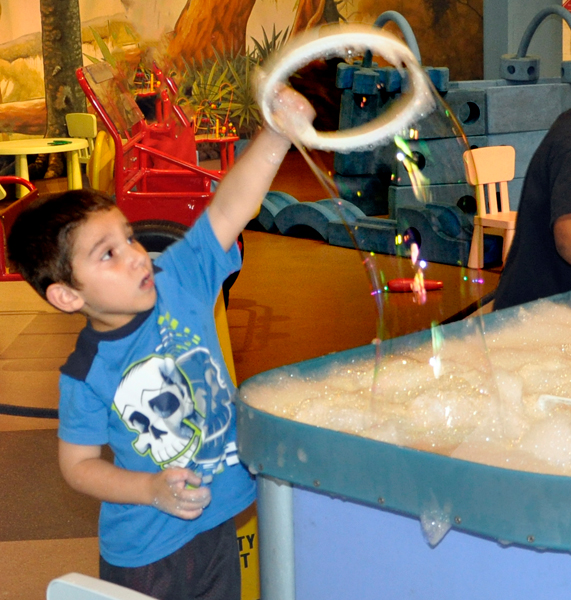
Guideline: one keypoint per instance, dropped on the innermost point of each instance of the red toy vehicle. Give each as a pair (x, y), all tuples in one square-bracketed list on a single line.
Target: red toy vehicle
[(157, 182), (8, 217)]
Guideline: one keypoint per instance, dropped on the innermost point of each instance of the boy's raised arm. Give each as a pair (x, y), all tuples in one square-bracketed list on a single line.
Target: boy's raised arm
[(244, 187)]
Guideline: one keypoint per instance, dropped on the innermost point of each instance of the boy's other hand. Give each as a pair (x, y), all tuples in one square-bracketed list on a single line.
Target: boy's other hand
[(171, 494)]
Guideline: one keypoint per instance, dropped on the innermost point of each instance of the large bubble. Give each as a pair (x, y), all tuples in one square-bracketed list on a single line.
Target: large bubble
[(401, 158)]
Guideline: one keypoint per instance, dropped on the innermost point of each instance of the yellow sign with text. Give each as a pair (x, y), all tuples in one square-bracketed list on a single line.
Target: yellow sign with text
[(247, 538)]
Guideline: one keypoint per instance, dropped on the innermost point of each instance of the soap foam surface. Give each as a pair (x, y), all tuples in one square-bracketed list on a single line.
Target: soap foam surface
[(481, 404)]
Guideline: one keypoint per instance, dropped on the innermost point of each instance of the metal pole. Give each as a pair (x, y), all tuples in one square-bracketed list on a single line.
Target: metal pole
[(275, 528)]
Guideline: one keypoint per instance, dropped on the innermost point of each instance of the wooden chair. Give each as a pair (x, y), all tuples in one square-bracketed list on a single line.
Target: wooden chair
[(82, 125), (489, 170)]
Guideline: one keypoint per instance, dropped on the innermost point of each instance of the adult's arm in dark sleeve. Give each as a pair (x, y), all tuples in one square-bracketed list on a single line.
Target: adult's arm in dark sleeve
[(562, 236)]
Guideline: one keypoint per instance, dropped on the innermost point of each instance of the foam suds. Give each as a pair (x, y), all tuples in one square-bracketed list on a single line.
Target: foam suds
[(485, 404)]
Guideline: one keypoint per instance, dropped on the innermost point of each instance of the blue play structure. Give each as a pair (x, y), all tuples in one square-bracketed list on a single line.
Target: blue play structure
[(516, 110)]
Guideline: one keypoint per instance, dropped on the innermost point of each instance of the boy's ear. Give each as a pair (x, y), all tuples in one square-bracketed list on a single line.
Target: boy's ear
[(64, 298)]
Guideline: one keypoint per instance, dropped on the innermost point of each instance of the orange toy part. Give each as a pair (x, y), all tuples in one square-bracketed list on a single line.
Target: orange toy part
[(405, 285)]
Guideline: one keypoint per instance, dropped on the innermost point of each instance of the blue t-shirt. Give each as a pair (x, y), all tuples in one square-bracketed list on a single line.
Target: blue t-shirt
[(158, 392)]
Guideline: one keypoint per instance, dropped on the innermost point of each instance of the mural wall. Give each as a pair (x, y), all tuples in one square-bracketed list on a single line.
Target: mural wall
[(212, 45)]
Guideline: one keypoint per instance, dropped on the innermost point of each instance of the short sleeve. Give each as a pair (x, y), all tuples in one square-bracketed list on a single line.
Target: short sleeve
[(199, 257), (83, 417)]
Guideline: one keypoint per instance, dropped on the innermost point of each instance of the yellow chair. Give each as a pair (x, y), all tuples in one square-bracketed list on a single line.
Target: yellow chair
[(224, 336), (82, 125), (101, 164), (247, 521), (489, 170)]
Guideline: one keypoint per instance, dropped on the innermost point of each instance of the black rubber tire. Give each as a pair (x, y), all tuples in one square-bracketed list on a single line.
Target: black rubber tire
[(156, 236)]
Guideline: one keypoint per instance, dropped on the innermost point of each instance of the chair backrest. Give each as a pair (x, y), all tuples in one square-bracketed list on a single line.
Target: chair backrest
[(82, 125), (490, 168), (75, 586)]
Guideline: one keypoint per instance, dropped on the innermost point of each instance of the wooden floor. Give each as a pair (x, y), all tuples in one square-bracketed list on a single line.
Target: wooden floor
[(295, 299)]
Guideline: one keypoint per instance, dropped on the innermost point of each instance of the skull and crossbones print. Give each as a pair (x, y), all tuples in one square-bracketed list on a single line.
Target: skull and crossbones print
[(180, 410)]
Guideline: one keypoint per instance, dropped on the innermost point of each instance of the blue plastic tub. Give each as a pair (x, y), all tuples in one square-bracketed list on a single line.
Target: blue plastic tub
[(497, 505)]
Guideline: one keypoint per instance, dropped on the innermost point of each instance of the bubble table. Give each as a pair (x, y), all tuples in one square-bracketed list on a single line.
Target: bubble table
[(20, 149), (338, 514)]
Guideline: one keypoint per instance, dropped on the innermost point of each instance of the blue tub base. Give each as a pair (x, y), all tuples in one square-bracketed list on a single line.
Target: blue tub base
[(344, 551)]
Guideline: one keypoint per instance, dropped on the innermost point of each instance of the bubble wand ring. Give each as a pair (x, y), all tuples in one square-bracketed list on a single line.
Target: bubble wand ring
[(339, 41)]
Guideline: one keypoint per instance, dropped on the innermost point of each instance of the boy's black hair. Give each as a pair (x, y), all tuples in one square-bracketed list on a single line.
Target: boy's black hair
[(40, 243)]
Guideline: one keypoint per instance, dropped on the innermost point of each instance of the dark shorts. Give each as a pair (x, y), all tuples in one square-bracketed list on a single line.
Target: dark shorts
[(207, 568)]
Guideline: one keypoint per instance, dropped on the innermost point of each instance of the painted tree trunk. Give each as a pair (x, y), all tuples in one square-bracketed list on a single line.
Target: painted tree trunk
[(207, 25), (312, 13), (61, 44)]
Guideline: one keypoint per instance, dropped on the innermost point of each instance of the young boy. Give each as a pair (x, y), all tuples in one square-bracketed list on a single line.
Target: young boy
[(147, 377)]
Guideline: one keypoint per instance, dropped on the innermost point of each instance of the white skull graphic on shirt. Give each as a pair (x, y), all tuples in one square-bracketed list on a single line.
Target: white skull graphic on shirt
[(180, 410)]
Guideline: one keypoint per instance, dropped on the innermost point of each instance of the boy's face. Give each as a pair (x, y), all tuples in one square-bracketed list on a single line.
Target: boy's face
[(113, 270)]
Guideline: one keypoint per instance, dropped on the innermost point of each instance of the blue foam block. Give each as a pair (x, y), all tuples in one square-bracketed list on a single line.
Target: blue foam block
[(315, 215), (271, 206), (368, 234), (369, 193)]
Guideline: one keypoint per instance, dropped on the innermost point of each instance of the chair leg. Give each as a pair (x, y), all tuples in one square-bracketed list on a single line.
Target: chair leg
[(74, 181), (508, 239), (476, 257), (21, 167)]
